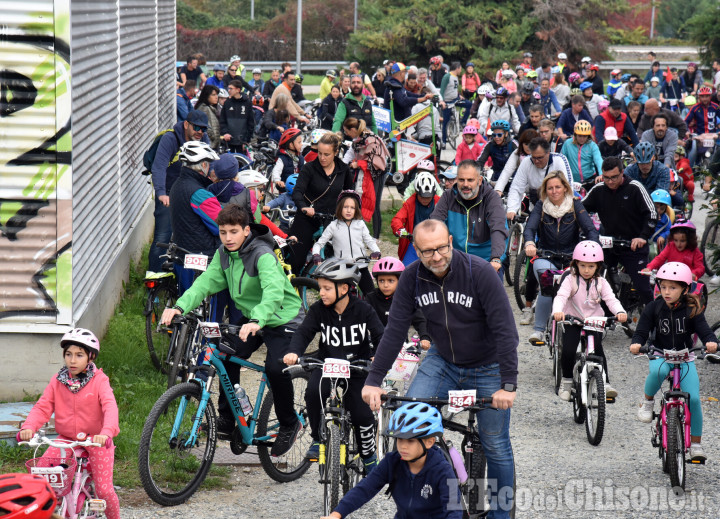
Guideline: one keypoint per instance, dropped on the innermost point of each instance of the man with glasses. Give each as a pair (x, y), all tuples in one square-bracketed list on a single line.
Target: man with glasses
[(286, 88), (356, 105), (165, 171), (475, 344), (237, 121), (498, 108), (531, 172), (626, 212)]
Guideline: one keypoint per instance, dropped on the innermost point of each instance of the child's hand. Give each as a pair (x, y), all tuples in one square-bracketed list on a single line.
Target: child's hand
[(559, 316), (622, 317), (635, 348), (168, 314), (376, 255), (290, 359), (425, 344), (265, 208), (711, 347), (26, 434), (100, 438), (280, 183), (660, 243)]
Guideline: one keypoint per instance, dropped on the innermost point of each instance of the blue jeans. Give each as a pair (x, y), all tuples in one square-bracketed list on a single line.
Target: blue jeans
[(689, 382), (543, 306), (435, 378), (163, 233)]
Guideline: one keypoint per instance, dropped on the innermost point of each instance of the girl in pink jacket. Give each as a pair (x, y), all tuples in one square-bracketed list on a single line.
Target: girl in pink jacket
[(580, 294), (683, 248), (469, 148), (83, 402)]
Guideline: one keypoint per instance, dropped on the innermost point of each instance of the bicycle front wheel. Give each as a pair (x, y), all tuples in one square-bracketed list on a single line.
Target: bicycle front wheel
[(453, 131), (676, 450), (180, 338), (514, 246), (477, 489), (522, 266), (595, 408), (171, 467), (331, 472), (158, 336), (557, 357)]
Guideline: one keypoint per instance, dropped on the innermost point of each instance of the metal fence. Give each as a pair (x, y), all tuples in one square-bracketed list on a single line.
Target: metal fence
[(266, 66)]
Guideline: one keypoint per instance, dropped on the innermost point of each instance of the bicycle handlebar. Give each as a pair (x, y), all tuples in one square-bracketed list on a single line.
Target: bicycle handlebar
[(653, 352), (37, 441), (172, 247), (311, 364), (480, 403), (225, 328)]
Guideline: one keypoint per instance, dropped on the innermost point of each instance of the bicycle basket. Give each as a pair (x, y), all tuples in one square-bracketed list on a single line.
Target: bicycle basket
[(547, 282), (57, 471)]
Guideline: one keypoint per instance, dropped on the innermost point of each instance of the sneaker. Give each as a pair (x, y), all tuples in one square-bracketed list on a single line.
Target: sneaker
[(225, 427), (527, 316), (645, 413), (313, 453), (565, 389), (610, 392), (537, 338), (696, 452), (714, 281), (371, 463), (285, 438)]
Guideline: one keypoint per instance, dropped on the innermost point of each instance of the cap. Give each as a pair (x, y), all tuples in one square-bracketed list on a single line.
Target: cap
[(610, 134), (562, 55), (586, 59), (226, 167), (197, 117), (470, 64), (615, 104), (218, 66), (655, 78), (397, 67), (257, 71)]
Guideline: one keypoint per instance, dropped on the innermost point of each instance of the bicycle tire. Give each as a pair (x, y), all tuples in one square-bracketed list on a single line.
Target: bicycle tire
[(453, 131), (557, 358), (157, 335), (676, 450), (578, 407), (162, 459), (476, 498), (331, 473), (291, 465), (595, 408), (711, 235), (716, 331), (384, 442), (512, 250), (662, 452), (520, 279), (178, 350), (307, 289), (353, 463)]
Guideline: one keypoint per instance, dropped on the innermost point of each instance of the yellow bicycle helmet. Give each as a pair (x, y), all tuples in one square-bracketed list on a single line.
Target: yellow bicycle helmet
[(583, 128)]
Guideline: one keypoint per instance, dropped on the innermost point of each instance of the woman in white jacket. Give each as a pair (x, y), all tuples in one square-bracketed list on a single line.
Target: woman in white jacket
[(349, 237)]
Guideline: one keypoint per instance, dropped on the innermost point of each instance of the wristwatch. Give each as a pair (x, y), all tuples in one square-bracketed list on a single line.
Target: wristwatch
[(495, 260), (509, 387)]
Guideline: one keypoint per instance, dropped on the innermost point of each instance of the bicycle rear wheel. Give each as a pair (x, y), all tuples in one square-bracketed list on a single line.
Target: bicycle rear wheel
[(453, 130), (522, 265), (291, 465), (171, 469), (476, 490), (708, 244), (676, 450), (331, 473), (514, 245), (158, 336), (595, 408), (557, 358), (178, 345)]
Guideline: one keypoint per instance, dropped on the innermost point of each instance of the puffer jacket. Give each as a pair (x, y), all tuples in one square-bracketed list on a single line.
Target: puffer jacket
[(213, 129), (348, 241), (559, 234), (189, 228)]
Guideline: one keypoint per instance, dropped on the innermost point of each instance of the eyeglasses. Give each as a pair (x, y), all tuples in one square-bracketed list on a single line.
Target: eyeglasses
[(498, 135), (353, 76), (537, 159), (232, 69), (612, 178), (198, 128), (429, 253)]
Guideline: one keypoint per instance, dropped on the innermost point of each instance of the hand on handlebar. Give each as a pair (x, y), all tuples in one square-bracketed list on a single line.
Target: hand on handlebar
[(622, 317), (530, 250), (376, 255), (637, 243), (290, 359), (168, 314), (635, 348), (711, 347), (371, 396), (559, 316), (510, 215), (100, 438), (309, 211), (247, 330), (502, 399), (26, 434), (165, 200)]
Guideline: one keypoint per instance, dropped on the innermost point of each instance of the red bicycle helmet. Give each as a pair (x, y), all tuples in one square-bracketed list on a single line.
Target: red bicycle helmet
[(26, 496), (704, 91), (288, 136)]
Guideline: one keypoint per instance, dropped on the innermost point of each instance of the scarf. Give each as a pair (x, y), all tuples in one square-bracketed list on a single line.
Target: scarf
[(76, 384), (558, 211), (224, 190)]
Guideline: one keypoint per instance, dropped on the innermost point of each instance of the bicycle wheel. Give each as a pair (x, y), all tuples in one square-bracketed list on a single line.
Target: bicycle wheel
[(476, 492), (514, 245), (595, 408), (676, 450), (578, 407), (709, 242), (522, 264), (662, 452), (170, 469), (453, 131), (158, 336), (557, 358), (177, 351), (291, 465), (331, 473), (384, 443), (307, 289), (353, 464)]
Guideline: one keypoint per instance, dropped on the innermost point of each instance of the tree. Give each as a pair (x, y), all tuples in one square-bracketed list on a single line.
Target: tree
[(703, 30)]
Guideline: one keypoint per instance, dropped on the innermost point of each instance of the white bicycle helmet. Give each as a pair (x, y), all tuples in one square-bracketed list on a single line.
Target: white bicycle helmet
[(82, 337), (317, 134), (223, 93), (484, 89), (252, 178), (424, 184), (193, 152), (425, 165), (235, 57)]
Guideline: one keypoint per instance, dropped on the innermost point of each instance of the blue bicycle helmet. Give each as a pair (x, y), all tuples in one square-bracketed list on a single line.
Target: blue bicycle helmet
[(661, 197), (500, 124), (585, 85), (415, 420), (290, 183), (625, 77), (644, 152)]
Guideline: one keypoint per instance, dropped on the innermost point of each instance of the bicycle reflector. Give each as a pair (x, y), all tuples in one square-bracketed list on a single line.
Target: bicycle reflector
[(150, 283)]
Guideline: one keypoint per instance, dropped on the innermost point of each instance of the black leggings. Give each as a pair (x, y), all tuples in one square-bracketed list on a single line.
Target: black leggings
[(303, 228), (363, 419), (570, 341), (379, 183)]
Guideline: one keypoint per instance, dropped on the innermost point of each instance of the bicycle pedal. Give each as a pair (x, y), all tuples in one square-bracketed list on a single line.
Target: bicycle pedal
[(610, 400), (697, 462), (97, 505)]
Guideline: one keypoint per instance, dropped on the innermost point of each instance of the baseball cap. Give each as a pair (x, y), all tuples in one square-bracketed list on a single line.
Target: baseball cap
[(562, 55), (610, 134), (218, 66), (615, 104), (397, 67), (655, 78), (198, 118)]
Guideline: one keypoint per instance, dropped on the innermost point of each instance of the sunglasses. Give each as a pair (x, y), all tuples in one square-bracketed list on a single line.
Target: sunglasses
[(232, 69), (198, 128), (498, 135), (353, 76)]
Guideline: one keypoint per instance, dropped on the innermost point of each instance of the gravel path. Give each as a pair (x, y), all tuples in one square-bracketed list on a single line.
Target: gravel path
[(558, 473)]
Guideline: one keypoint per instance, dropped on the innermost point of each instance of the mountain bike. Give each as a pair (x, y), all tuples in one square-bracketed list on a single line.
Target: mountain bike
[(671, 429), (339, 461), (179, 437), (515, 244), (470, 467), (588, 389), (306, 287), (69, 475)]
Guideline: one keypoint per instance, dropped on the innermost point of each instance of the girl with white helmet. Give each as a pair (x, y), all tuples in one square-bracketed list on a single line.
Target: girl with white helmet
[(580, 294), (674, 318), (82, 400)]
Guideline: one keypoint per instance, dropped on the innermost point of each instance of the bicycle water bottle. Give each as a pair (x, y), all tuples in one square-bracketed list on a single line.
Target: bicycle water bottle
[(458, 464), (244, 400)]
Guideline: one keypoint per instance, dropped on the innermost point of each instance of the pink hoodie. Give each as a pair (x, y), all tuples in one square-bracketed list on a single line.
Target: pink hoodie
[(92, 410), (577, 301)]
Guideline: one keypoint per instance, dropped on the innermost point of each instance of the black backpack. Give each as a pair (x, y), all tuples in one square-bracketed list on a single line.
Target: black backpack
[(149, 155)]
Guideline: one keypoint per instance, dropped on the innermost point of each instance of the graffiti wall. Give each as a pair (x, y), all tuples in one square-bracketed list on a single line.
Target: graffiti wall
[(35, 163)]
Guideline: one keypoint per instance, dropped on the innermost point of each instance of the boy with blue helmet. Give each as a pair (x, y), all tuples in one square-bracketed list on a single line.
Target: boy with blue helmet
[(284, 201), (417, 471), (662, 201)]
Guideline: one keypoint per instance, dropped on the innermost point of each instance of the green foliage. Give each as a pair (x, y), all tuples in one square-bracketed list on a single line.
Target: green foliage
[(636, 36), (673, 15), (703, 30), (191, 18)]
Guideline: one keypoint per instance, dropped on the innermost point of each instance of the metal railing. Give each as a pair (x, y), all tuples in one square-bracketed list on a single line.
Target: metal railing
[(267, 66)]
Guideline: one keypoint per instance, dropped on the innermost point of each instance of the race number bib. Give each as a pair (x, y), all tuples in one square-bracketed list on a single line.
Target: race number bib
[(460, 399), (210, 330), (596, 324), (196, 262), (606, 242), (708, 143), (53, 475), (336, 368)]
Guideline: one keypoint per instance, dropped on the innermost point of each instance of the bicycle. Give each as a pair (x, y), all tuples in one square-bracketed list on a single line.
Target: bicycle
[(524, 270), (671, 430), (339, 461), (162, 293), (306, 287), (179, 437), (515, 244), (69, 476), (470, 467), (709, 243), (588, 389)]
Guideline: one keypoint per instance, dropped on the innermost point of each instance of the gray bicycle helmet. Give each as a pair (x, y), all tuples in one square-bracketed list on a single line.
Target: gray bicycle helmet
[(338, 270)]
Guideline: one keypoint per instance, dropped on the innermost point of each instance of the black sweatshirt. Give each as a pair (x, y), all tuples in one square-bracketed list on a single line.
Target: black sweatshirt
[(352, 335), (673, 327), (381, 305)]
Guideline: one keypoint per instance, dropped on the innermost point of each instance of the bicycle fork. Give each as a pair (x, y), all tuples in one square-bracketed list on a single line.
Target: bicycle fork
[(191, 440)]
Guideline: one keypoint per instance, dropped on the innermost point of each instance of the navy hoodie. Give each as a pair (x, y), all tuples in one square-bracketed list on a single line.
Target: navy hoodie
[(425, 494), (468, 316), (674, 328), (165, 174)]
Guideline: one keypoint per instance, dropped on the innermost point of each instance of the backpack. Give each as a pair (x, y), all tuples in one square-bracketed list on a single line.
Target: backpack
[(149, 155)]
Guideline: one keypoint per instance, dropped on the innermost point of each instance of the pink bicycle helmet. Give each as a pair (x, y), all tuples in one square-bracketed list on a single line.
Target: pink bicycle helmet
[(426, 165), (350, 193), (388, 265), (687, 224), (574, 76), (588, 251), (675, 271), (470, 130), (474, 122), (83, 337), (602, 105)]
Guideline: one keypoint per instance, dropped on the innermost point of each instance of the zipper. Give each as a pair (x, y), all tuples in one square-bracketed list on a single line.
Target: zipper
[(467, 221), (350, 239)]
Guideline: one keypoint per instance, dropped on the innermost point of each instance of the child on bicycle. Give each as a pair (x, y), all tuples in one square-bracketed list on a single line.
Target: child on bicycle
[(83, 402), (349, 235), (468, 149), (580, 294), (387, 272), (349, 329), (417, 472), (674, 317), (662, 201), (284, 201), (682, 165), (414, 210), (683, 248)]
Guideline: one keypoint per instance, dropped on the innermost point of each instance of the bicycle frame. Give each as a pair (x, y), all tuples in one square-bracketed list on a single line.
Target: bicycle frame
[(588, 362), (675, 398)]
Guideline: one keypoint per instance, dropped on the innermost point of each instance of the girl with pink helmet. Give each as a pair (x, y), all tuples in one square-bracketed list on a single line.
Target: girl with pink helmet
[(682, 247), (674, 317), (580, 294)]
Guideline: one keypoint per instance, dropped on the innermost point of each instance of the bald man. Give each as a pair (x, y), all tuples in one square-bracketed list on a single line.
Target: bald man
[(652, 108)]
